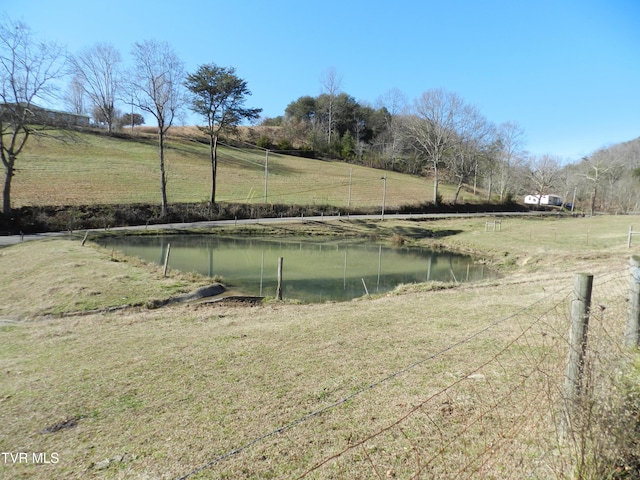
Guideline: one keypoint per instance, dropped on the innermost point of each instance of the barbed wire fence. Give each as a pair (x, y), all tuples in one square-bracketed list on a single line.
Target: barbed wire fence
[(491, 406)]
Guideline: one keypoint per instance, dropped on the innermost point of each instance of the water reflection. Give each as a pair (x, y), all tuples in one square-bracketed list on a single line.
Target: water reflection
[(314, 270)]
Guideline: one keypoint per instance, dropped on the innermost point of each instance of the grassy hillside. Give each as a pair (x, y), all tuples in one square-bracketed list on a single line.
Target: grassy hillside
[(85, 168)]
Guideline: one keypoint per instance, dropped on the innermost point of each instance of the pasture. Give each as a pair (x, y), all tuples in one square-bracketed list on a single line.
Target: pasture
[(429, 381), (73, 168)]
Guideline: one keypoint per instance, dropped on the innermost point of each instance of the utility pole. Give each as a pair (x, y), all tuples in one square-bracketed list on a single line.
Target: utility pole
[(266, 174), (349, 198), (384, 193)]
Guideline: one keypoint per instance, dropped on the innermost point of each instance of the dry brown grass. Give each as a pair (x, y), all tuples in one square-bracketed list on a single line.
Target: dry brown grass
[(158, 394), (55, 277)]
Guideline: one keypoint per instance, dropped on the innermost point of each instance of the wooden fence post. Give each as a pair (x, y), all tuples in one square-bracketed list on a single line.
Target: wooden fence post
[(632, 331), (580, 306), (279, 288), (166, 260)]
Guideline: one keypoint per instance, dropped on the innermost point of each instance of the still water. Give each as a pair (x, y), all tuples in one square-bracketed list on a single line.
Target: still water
[(313, 270)]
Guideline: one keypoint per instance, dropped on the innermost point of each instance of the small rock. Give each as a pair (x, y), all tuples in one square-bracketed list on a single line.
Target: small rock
[(102, 465)]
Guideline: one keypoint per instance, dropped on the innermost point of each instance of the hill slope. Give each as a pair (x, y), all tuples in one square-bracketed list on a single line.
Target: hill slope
[(87, 168)]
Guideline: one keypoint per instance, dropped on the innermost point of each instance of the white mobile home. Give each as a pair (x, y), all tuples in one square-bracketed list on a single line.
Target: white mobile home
[(543, 200)]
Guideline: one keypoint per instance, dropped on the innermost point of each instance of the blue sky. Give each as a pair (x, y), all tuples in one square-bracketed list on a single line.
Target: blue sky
[(567, 71)]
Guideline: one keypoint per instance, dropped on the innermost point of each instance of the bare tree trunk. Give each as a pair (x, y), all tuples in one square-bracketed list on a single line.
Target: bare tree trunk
[(490, 188), (213, 145), (475, 176), (435, 184), (6, 192), (458, 188), (163, 175)]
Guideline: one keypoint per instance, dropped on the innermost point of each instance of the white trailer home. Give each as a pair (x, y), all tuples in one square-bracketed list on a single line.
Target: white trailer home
[(543, 200)]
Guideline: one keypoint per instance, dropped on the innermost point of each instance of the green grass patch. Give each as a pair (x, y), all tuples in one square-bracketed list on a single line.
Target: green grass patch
[(85, 168)]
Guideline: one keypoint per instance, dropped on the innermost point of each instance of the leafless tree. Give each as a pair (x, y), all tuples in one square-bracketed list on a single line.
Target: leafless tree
[(74, 97), (474, 135), (395, 103), (331, 83), (603, 167), (28, 70), (510, 156), (626, 194), (156, 87), (98, 69), (544, 174), (431, 129)]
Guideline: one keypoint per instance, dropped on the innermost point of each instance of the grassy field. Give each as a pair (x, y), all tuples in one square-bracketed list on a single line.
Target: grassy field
[(81, 168), (425, 382)]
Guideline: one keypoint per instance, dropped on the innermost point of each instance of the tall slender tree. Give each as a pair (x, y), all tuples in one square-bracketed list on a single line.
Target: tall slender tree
[(98, 70), (511, 139), (218, 96), (156, 88), (394, 103), (74, 97), (28, 70), (331, 83)]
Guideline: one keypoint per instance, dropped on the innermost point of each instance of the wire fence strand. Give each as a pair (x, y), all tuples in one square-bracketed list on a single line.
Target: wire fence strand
[(496, 419)]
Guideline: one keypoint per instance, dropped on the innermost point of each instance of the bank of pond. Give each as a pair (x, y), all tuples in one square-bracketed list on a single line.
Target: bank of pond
[(314, 270)]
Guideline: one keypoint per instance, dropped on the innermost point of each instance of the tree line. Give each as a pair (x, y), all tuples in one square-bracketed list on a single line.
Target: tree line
[(438, 134), (441, 136), (155, 84)]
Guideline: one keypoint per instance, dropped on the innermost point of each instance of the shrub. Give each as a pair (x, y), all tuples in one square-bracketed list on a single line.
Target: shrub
[(284, 144), (398, 240), (264, 142)]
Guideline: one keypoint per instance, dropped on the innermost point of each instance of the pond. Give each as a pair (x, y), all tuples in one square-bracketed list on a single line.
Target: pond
[(313, 270)]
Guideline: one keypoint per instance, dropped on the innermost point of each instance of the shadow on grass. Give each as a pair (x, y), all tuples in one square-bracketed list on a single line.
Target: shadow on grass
[(375, 229)]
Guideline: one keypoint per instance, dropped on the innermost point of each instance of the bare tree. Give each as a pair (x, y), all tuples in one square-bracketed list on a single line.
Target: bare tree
[(97, 68), (74, 97), (544, 174), (486, 164), (473, 134), (626, 194), (394, 102), (332, 82), (156, 88), (602, 166), (510, 154), (431, 129), (28, 70)]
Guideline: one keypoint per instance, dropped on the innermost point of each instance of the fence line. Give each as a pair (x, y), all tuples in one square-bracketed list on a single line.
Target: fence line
[(386, 379), (503, 408), (444, 390), (520, 393)]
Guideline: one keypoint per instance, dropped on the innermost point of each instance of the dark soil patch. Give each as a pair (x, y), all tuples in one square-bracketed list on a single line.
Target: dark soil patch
[(63, 425)]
